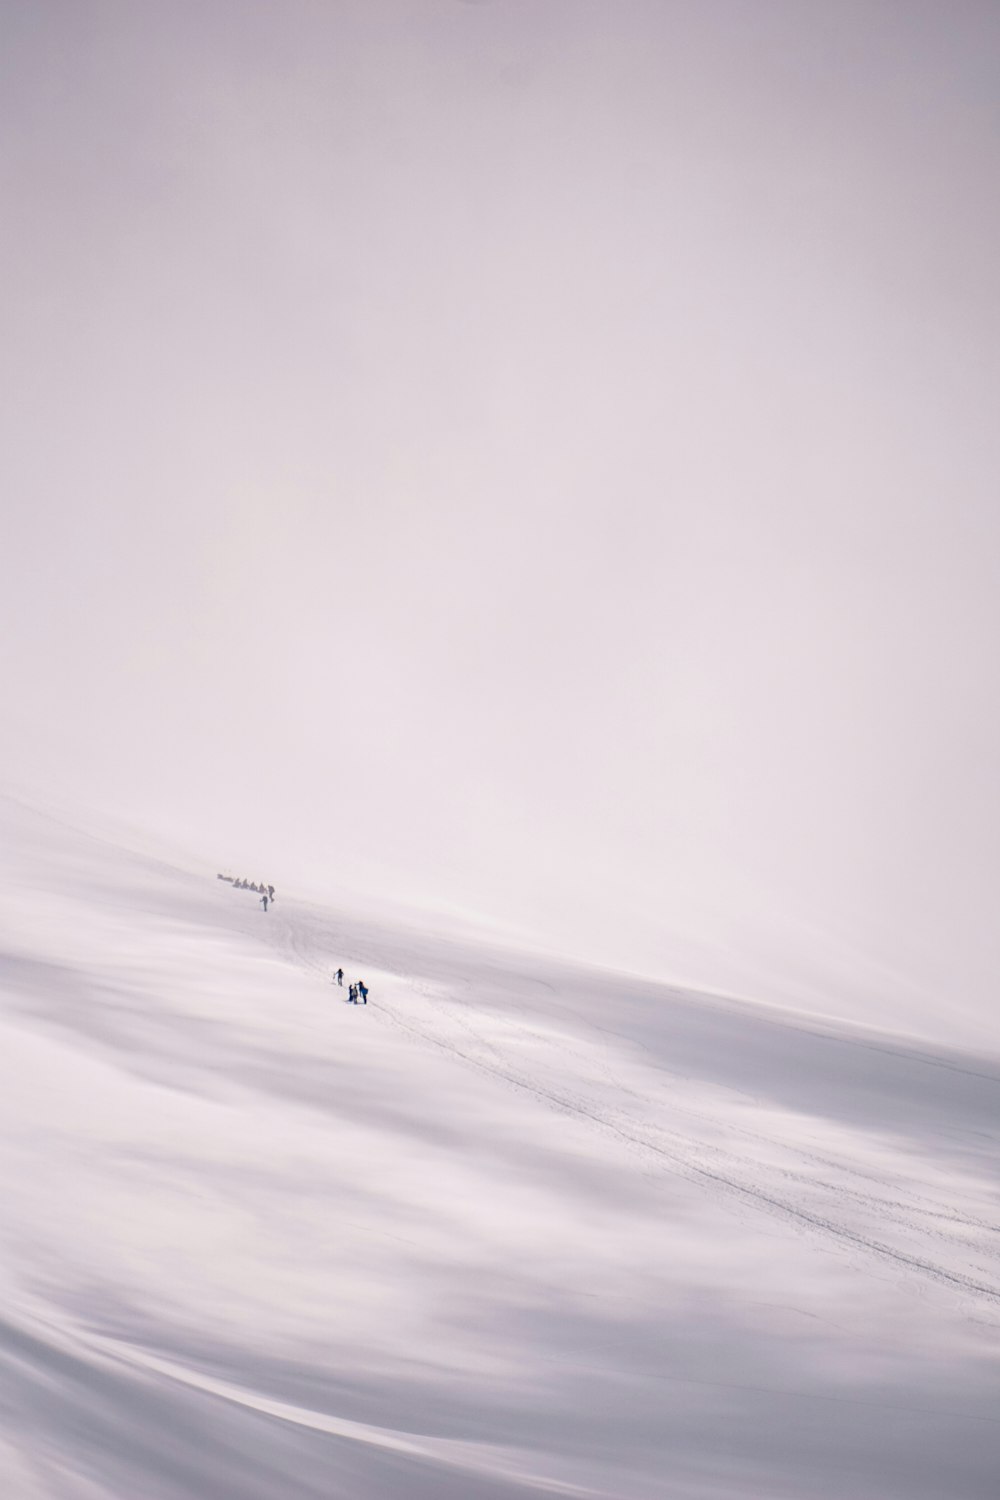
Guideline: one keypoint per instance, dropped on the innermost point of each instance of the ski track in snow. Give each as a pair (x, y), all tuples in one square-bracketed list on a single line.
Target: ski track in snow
[(446, 1026), (515, 1227)]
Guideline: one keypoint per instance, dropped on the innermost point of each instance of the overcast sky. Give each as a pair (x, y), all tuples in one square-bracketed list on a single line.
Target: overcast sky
[(536, 457)]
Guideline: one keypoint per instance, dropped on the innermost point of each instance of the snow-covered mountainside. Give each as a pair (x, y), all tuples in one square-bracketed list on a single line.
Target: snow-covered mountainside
[(515, 1228)]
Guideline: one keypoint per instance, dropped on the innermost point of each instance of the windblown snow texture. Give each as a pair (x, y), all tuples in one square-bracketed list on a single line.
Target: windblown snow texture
[(515, 1229)]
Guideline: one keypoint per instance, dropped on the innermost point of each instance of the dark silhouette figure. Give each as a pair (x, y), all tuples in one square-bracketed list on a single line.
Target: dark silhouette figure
[(270, 891), (352, 994), (263, 902), (362, 990), (339, 976)]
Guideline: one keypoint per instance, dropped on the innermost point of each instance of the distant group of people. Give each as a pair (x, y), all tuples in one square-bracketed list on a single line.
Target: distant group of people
[(357, 990), (265, 892), (357, 993)]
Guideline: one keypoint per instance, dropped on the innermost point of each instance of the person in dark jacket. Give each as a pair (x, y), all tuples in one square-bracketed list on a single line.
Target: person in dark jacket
[(263, 902), (339, 976), (362, 989)]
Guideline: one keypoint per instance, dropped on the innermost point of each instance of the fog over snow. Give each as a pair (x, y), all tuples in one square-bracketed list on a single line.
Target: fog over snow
[(520, 475), (537, 458)]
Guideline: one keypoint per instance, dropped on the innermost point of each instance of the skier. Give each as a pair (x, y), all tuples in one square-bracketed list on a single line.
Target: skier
[(263, 902), (339, 977), (270, 891), (352, 994), (362, 990)]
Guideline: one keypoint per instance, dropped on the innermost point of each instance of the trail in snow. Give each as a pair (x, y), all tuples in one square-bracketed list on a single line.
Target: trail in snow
[(835, 1193), (515, 1227)]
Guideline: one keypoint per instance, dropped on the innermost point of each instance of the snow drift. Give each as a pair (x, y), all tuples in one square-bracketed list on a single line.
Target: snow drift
[(516, 1228)]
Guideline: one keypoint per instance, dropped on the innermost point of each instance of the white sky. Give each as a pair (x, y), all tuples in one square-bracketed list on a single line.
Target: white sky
[(539, 458)]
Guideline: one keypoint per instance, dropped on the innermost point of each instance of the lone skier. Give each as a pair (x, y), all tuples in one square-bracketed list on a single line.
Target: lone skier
[(339, 977), (263, 902)]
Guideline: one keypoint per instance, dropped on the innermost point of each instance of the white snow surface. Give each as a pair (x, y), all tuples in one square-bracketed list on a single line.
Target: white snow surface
[(514, 1229)]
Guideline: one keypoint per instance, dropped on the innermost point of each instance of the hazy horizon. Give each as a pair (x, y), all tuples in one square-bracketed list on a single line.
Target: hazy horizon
[(533, 460)]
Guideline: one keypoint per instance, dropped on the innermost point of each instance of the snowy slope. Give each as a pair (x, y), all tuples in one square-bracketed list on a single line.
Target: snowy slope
[(514, 1229)]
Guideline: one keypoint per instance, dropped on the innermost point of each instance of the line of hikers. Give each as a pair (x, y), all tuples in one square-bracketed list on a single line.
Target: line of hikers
[(357, 993), (265, 892)]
